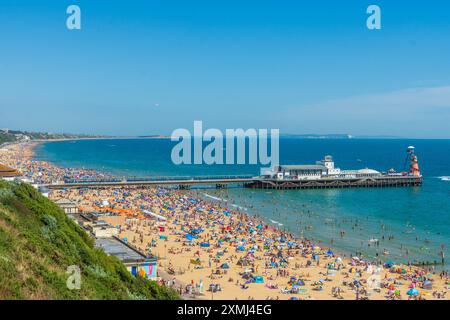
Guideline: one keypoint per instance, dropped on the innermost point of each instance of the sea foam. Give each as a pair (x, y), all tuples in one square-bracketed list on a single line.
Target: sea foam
[(215, 198)]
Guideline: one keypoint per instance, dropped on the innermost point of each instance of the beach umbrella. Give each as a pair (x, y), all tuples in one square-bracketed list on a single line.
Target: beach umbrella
[(189, 237), (428, 285), (412, 292)]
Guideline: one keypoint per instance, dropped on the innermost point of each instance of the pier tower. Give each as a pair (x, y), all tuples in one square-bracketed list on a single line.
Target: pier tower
[(413, 162)]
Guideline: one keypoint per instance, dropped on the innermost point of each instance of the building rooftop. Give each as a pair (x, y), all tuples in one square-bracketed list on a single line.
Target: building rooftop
[(368, 171), (65, 202), (7, 172), (121, 250), (303, 167)]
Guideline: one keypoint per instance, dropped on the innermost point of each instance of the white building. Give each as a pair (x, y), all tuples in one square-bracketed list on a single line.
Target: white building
[(328, 163), (102, 229), (68, 206), (300, 172), (322, 169)]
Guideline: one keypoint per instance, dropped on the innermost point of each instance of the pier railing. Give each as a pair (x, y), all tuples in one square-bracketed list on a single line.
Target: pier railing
[(159, 178), (220, 181)]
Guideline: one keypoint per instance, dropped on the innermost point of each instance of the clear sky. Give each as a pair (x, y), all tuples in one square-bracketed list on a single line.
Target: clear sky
[(147, 67)]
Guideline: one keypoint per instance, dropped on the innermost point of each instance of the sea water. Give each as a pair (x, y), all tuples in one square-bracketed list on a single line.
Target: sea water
[(410, 223)]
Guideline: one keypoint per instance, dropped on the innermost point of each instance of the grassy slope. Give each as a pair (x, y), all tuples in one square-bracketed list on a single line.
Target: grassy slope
[(37, 244)]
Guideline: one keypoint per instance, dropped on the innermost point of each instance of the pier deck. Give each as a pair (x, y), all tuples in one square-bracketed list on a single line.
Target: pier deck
[(182, 182), (328, 183), (253, 182)]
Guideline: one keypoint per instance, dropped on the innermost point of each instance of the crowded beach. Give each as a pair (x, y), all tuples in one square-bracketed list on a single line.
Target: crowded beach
[(208, 250)]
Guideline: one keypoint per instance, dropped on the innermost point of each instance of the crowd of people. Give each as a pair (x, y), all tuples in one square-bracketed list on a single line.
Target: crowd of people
[(20, 157), (226, 253), (207, 249)]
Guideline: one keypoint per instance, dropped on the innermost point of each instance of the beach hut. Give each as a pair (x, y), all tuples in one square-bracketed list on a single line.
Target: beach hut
[(225, 266)]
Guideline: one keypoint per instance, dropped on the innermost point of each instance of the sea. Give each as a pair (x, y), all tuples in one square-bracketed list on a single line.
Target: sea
[(410, 224)]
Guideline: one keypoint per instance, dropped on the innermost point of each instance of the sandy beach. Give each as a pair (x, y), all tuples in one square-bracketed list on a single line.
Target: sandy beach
[(207, 251)]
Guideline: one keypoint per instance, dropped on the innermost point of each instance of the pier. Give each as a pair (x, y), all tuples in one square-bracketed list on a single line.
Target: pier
[(221, 182), (321, 175), (183, 183), (334, 183)]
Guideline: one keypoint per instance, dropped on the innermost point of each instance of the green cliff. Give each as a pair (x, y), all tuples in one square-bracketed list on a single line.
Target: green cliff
[(38, 242)]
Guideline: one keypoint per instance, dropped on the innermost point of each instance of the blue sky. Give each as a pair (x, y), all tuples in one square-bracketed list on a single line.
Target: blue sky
[(147, 67)]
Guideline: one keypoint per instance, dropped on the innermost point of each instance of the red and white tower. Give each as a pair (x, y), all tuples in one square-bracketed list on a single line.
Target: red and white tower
[(413, 162)]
